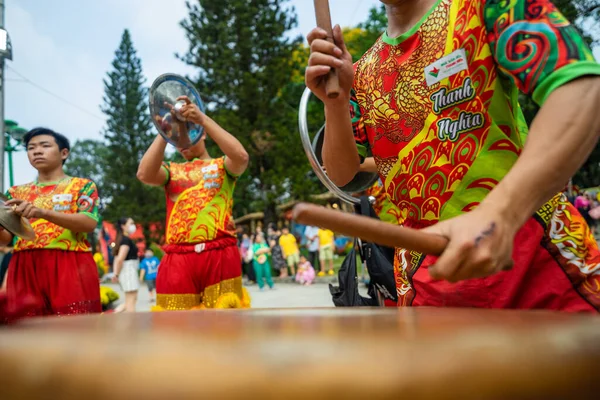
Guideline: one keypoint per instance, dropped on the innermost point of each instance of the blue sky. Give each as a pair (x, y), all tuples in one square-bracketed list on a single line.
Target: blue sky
[(66, 47)]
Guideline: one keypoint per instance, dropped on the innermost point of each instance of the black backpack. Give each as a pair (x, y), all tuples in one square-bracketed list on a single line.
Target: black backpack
[(380, 265), (346, 294)]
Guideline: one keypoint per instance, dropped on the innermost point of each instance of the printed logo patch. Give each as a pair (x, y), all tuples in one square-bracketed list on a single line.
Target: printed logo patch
[(210, 168), (62, 198), (62, 202), (211, 185), (434, 72), (446, 66), (211, 176)]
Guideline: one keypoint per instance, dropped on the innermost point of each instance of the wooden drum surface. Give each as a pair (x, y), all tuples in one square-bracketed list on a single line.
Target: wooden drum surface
[(406, 353)]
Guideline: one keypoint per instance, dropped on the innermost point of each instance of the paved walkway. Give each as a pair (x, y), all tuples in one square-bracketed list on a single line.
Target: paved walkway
[(285, 295)]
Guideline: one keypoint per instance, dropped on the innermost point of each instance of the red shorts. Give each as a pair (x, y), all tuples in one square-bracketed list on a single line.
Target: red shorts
[(556, 267), (205, 275), (60, 282)]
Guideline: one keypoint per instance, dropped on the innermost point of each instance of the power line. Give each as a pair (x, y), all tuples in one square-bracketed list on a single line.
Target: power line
[(78, 107), (358, 4), (26, 80)]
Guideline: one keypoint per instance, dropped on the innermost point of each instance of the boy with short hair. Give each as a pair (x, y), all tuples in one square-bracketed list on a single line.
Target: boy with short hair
[(56, 269)]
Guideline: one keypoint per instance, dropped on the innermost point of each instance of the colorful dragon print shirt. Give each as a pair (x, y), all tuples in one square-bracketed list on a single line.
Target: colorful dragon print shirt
[(383, 206), (69, 196), (199, 201), (438, 109)]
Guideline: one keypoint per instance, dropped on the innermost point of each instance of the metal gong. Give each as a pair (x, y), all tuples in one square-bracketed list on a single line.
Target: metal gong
[(16, 225), (361, 182), (165, 108)]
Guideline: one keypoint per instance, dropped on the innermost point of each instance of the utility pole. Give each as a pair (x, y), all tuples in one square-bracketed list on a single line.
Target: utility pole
[(2, 130)]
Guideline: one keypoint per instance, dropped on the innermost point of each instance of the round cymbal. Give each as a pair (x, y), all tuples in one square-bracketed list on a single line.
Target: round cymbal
[(361, 181), (13, 223), (313, 148), (165, 108)]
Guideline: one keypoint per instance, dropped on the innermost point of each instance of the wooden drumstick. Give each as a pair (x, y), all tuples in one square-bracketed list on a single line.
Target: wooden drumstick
[(369, 229), (323, 14)]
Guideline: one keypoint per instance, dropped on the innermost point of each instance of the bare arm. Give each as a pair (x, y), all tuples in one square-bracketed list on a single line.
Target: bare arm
[(73, 222), (562, 136), (368, 165), (142, 273), (236, 160), (120, 258), (236, 157), (5, 237), (263, 251), (150, 170), (340, 156)]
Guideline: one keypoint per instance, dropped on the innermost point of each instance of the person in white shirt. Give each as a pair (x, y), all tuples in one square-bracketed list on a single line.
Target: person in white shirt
[(311, 233)]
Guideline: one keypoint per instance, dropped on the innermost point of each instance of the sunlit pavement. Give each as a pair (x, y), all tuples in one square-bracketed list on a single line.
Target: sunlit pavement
[(285, 295)]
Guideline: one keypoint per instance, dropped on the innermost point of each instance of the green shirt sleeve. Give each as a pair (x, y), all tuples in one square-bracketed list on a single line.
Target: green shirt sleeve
[(535, 46), (358, 127), (166, 166), (87, 201), (231, 175)]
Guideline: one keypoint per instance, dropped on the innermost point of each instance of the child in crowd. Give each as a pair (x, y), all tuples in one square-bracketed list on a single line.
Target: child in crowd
[(306, 272), (149, 271), (262, 267)]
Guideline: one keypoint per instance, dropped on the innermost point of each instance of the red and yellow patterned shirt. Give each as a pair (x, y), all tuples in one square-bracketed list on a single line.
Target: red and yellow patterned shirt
[(69, 196), (199, 201), (437, 107), (383, 206)]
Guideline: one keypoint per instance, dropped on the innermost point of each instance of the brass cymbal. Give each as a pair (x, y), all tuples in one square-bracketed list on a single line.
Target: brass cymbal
[(16, 225)]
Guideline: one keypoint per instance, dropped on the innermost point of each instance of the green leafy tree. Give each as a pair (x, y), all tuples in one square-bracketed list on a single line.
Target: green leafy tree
[(128, 134), (88, 160), (587, 14), (370, 30), (358, 40), (244, 62)]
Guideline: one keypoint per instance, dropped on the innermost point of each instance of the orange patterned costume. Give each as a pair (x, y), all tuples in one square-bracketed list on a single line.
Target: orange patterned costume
[(202, 266), (56, 270)]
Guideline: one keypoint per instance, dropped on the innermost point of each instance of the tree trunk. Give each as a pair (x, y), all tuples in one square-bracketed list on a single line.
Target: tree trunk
[(270, 214)]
